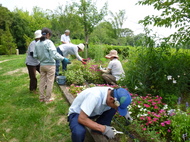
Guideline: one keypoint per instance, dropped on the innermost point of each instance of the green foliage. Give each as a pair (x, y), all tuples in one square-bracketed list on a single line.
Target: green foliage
[(98, 52), (79, 74), (8, 46), (180, 126), (173, 13), (22, 116), (148, 69)]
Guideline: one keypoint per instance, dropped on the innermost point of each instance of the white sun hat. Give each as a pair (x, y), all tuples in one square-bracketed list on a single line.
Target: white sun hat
[(38, 34), (81, 46)]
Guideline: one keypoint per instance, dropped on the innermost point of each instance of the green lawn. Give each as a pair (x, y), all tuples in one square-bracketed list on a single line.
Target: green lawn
[(22, 116)]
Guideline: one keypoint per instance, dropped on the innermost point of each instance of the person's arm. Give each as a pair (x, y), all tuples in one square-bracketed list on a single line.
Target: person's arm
[(31, 48), (35, 53), (77, 54), (53, 52), (64, 42), (84, 120), (106, 71)]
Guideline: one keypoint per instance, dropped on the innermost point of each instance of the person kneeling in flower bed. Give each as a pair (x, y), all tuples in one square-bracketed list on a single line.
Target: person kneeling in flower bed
[(100, 103), (114, 70)]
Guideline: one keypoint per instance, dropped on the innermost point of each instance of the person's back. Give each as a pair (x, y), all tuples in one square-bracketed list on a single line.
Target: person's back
[(68, 49), (43, 49), (116, 68), (30, 60)]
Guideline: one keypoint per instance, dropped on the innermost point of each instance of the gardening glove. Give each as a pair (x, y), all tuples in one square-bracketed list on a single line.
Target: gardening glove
[(67, 60), (101, 67), (109, 132), (84, 63), (84, 60), (128, 117)]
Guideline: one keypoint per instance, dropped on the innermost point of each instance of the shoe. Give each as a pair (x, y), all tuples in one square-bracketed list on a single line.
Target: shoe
[(42, 100), (50, 100)]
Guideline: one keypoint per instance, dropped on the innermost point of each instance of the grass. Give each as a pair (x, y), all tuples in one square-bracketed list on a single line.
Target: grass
[(22, 116)]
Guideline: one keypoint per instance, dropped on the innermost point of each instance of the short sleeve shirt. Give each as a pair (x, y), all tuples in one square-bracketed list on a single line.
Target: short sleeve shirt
[(65, 38), (91, 101), (29, 59), (116, 69)]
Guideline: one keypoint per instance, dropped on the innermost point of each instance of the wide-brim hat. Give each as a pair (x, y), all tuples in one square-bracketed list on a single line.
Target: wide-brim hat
[(113, 53), (81, 46), (38, 34)]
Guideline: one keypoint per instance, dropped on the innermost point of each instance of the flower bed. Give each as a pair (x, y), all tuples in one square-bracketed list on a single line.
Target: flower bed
[(151, 118)]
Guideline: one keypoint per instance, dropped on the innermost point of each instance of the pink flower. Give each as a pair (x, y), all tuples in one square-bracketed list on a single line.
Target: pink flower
[(149, 118), (155, 119), (161, 111), (153, 103), (146, 105), (142, 118), (139, 102), (157, 115), (155, 107), (144, 129), (149, 100), (167, 122), (169, 130), (162, 124), (150, 122)]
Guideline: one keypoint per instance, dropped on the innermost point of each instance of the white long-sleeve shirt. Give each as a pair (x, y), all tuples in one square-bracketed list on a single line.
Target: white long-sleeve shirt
[(70, 49)]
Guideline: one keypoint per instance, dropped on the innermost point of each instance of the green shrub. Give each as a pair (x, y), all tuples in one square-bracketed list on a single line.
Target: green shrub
[(148, 69), (79, 74)]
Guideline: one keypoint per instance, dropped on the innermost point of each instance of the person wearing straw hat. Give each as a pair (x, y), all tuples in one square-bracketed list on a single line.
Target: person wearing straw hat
[(114, 71), (94, 108), (32, 63), (69, 49), (65, 39)]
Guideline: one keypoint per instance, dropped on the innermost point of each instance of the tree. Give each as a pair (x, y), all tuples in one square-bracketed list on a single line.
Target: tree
[(117, 21), (19, 28), (5, 17), (173, 13), (90, 16), (7, 45), (103, 33), (66, 18)]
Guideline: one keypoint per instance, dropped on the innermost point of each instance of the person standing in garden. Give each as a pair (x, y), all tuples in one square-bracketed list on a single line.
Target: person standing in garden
[(100, 103), (65, 39), (46, 52), (114, 71), (69, 49), (33, 64)]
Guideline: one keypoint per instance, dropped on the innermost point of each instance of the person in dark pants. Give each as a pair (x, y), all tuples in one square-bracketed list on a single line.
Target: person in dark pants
[(33, 64), (99, 102), (69, 49)]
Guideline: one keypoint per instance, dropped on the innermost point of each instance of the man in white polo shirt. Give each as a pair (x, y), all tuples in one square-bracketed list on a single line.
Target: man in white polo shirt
[(65, 39), (100, 102)]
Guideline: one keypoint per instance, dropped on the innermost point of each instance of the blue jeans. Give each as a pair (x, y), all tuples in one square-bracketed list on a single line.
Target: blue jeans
[(64, 63), (78, 130)]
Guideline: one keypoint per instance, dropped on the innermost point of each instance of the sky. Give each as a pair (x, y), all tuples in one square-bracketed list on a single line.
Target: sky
[(134, 12)]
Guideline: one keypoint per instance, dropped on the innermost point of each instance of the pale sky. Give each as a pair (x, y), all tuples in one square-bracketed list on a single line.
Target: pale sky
[(134, 12)]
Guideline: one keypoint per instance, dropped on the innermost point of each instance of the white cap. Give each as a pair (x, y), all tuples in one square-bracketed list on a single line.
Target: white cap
[(67, 31), (81, 46), (38, 34)]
